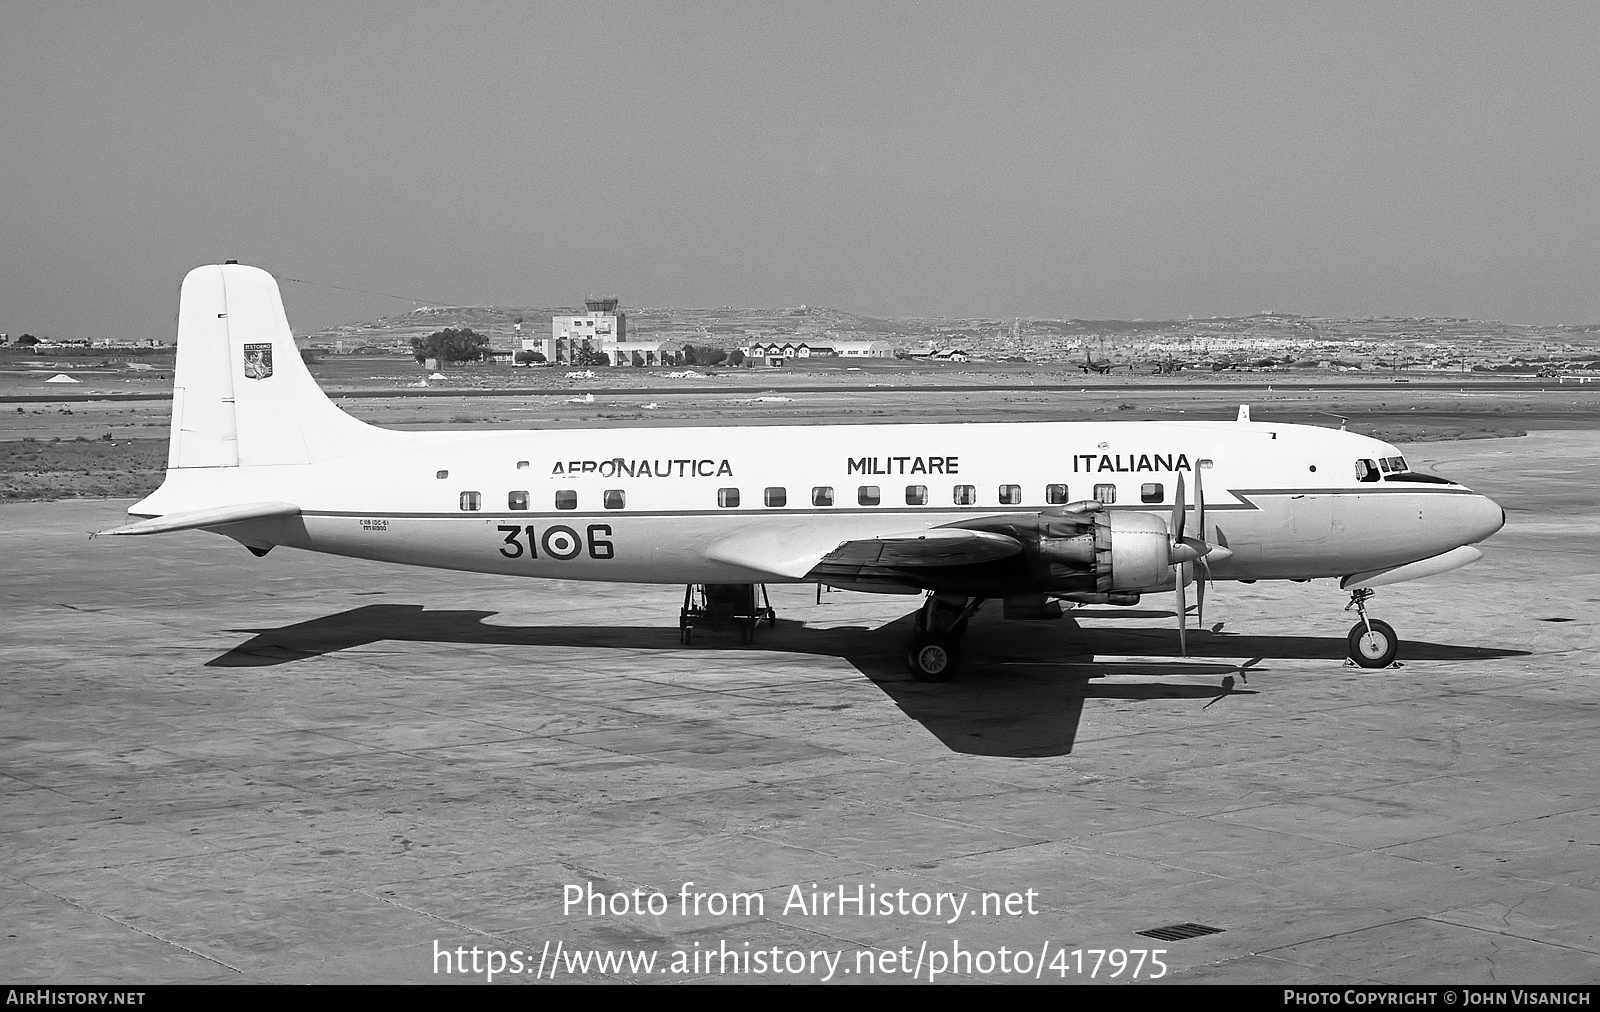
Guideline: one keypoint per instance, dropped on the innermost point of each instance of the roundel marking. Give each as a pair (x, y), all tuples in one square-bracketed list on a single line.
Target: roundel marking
[(561, 543)]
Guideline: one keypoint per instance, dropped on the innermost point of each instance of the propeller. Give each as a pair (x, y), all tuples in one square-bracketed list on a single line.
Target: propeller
[(1187, 551), (1205, 558)]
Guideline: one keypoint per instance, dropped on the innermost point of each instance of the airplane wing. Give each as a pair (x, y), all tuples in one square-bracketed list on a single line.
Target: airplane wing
[(217, 517), (795, 550)]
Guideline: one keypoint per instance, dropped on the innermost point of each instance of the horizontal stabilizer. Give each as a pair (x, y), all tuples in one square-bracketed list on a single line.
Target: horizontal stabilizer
[(218, 517), (1453, 559)]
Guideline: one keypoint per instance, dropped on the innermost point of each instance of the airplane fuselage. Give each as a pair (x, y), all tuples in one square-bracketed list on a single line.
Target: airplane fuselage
[(640, 505)]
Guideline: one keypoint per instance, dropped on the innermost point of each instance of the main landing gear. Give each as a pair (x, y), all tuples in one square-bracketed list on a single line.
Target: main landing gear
[(742, 605), (1373, 643), (935, 647)]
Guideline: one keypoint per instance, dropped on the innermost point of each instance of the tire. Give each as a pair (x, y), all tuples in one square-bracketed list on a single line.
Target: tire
[(1376, 649), (932, 658)]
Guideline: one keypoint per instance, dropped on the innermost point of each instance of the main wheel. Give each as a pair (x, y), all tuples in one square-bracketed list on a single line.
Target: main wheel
[(931, 658), (1375, 648)]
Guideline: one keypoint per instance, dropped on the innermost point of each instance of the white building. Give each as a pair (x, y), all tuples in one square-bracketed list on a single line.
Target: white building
[(863, 349), (600, 330), (786, 349)]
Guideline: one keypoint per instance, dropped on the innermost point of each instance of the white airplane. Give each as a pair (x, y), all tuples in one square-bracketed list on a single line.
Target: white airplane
[(1033, 513)]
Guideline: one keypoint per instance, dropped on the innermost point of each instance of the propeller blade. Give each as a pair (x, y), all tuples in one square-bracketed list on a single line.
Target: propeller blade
[(1183, 614), (1178, 511), (1205, 560)]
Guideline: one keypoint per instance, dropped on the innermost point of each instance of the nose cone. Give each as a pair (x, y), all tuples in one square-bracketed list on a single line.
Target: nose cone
[(1481, 519)]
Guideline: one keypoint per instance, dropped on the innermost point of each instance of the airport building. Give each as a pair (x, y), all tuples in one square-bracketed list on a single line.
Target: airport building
[(770, 350), (598, 331)]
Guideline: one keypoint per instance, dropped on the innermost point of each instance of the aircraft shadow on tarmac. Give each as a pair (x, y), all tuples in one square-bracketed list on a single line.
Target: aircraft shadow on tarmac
[(1020, 693)]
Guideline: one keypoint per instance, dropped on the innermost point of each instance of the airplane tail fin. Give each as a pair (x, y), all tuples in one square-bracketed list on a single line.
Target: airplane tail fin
[(241, 395)]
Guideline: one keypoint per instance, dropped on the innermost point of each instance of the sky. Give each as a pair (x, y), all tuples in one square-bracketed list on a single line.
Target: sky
[(1090, 160)]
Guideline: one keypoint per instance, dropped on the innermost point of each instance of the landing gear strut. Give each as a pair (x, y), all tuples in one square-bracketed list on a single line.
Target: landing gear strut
[(935, 647), (1373, 643)]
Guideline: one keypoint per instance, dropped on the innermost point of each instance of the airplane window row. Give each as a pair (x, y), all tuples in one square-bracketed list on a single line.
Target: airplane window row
[(566, 499), (915, 495), (866, 495)]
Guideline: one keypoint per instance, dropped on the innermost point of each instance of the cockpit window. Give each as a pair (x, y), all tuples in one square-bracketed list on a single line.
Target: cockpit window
[(1367, 470)]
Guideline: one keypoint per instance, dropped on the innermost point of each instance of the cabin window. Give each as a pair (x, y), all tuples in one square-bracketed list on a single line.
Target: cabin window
[(613, 498), (1152, 491), (522, 465), (727, 498), (1105, 493), (471, 501), (517, 501), (965, 495), (916, 495), (1010, 495), (441, 474), (869, 495), (1055, 495), (567, 499), (775, 496), (1367, 470), (822, 495)]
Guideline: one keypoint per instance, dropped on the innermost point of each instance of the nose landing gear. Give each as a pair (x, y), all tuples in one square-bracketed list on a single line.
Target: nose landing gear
[(1373, 643)]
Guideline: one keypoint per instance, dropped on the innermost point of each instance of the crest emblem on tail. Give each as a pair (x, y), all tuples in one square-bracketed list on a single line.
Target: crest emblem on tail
[(257, 361)]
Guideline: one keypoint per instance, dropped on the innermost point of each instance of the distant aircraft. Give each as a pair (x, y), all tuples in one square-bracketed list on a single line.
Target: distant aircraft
[(1031, 513), (1090, 365)]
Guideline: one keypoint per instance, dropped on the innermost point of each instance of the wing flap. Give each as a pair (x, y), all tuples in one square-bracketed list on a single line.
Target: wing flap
[(941, 546), (216, 517)]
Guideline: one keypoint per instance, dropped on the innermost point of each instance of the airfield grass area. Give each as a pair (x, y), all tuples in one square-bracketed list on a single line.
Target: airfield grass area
[(67, 469)]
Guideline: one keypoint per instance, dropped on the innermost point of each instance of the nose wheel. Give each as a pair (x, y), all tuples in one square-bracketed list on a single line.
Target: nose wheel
[(1373, 643)]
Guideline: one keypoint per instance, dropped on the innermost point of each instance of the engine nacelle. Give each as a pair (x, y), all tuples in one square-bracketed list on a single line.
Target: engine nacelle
[(1119, 552), (1083, 549), (1141, 553)]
